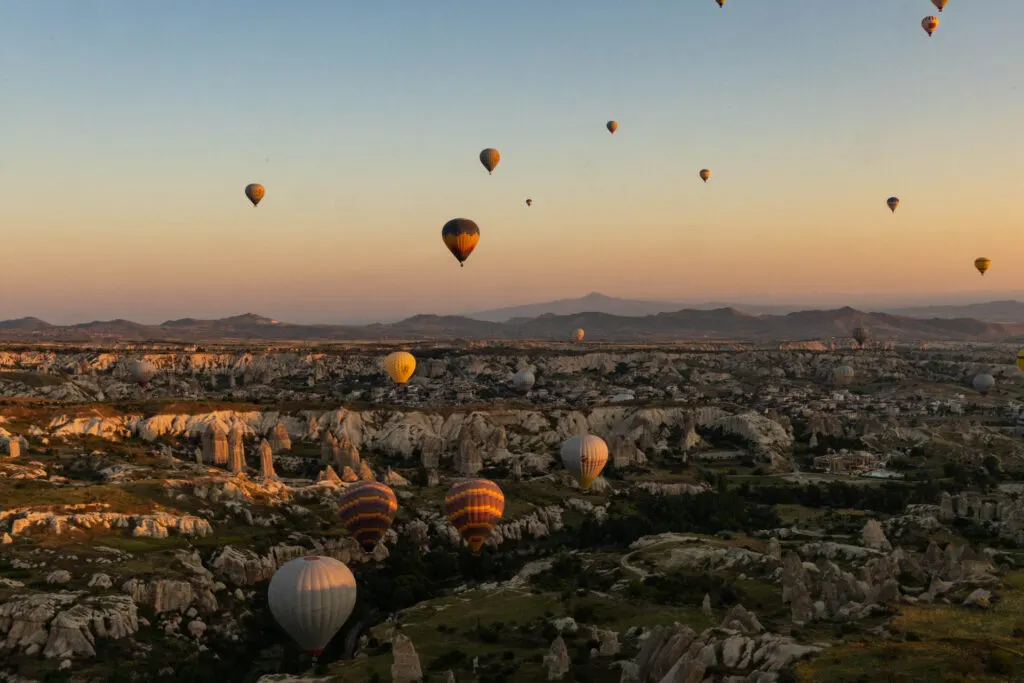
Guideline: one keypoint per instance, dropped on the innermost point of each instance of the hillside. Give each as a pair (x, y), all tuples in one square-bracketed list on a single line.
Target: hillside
[(722, 323)]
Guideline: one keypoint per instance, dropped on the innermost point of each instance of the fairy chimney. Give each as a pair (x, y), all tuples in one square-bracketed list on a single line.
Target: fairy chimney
[(279, 439), (215, 444), (236, 448), (266, 460), (348, 455)]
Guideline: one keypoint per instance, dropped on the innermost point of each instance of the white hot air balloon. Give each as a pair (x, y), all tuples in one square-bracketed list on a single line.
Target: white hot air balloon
[(524, 380), (141, 372), (584, 457), (311, 598), (983, 383), (842, 375)]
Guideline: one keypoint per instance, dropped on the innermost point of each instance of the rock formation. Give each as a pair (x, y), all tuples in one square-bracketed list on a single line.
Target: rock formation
[(279, 439), (266, 454), (215, 444), (236, 448), (406, 667)]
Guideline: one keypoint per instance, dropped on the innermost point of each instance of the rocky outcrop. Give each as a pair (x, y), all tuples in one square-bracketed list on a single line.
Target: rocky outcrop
[(279, 439), (406, 666), (557, 660), (215, 444), (266, 454), (65, 624), (155, 525), (236, 448)]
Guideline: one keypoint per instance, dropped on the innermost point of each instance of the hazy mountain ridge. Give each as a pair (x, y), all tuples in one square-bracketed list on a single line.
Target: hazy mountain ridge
[(720, 323)]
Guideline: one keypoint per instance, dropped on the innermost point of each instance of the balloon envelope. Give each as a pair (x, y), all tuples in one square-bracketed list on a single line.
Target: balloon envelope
[(577, 336), (524, 380), (843, 375), (490, 158), (400, 365), (461, 236), (1020, 360), (255, 192), (705, 174), (473, 506), (860, 335), (141, 372), (612, 126), (584, 457), (983, 382), (893, 202), (929, 24), (982, 264), (367, 510), (311, 598)]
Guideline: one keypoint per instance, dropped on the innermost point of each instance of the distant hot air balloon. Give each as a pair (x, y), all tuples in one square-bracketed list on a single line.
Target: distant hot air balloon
[(473, 506), (577, 336), (529, 202), (860, 335), (893, 202), (705, 174), (983, 383), (982, 264), (311, 598), (721, 3), (141, 372), (584, 457), (490, 158), (929, 24), (460, 235), (255, 192), (524, 380), (612, 126), (400, 365), (367, 510), (843, 375), (1020, 360), (940, 4)]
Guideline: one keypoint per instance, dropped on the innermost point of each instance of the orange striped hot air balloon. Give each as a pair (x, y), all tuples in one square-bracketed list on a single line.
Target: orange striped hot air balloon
[(473, 506), (490, 158), (255, 192), (460, 235), (929, 24), (940, 4), (584, 457), (367, 511)]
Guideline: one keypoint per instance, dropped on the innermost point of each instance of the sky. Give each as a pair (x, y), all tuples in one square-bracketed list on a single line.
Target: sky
[(129, 130)]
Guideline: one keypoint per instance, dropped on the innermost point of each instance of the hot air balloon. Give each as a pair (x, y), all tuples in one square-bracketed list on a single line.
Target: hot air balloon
[(473, 506), (460, 235), (523, 380), (721, 3), (584, 457), (529, 202), (929, 24), (842, 375), (367, 510), (982, 264), (940, 4), (490, 158), (255, 192), (311, 598), (705, 174), (983, 383), (860, 335), (612, 126), (1020, 360), (400, 365), (141, 372), (893, 202), (577, 336)]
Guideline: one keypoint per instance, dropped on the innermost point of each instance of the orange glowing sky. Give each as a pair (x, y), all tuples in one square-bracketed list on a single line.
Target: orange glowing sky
[(131, 132)]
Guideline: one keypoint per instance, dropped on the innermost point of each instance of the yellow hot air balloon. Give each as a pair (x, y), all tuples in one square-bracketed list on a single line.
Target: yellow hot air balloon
[(940, 4), (1020, 360), (473, 506), (490, 158), (577, 336), (982, 264), (893, 202), (529, 202), (255, 192), (460, 235), (400, 365), (705, 174), (929, 24), (612, 126), (584, 457)]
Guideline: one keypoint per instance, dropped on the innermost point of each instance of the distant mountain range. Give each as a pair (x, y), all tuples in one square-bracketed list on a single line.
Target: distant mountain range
[(687, 324)]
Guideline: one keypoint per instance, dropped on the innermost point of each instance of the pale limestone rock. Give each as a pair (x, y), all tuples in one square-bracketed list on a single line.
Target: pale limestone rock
[(348, 476), (100, 580), (557, 660), (266, 460), (279, 439), (236, 448), (58, 576), (347, 454), (329, 476), (365, 473), (406, 667), (872, 536), (215, 444)]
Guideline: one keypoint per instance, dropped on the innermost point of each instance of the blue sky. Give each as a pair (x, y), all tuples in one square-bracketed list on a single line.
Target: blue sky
[(131, 128)]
